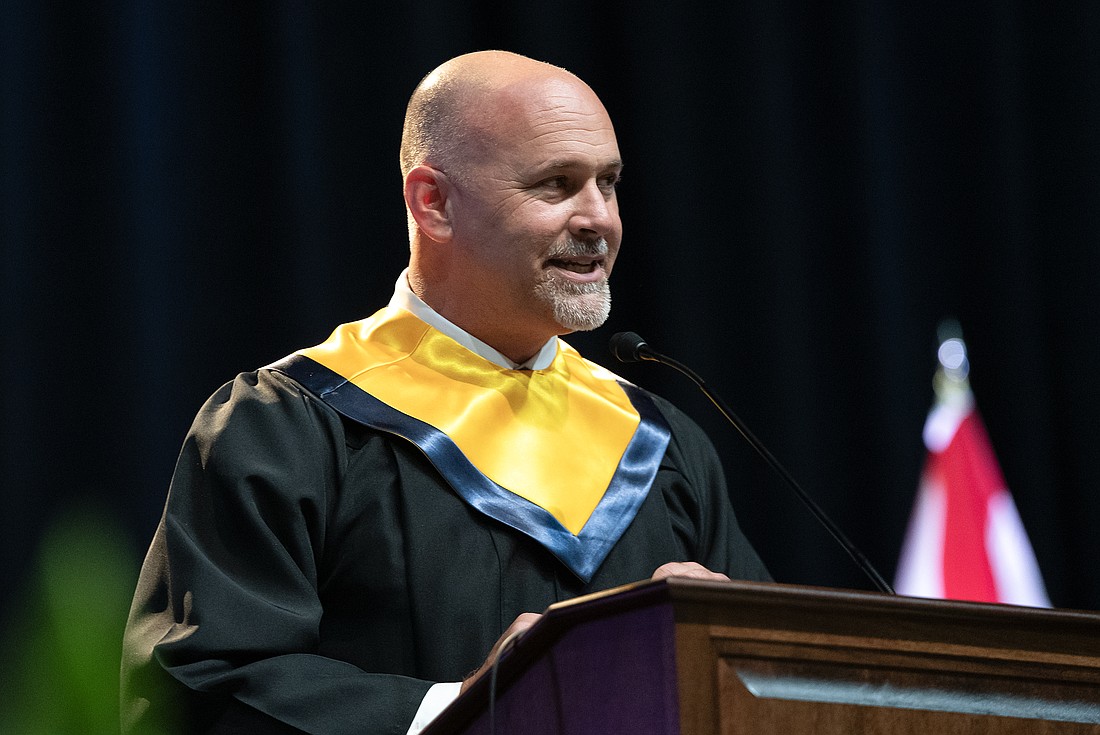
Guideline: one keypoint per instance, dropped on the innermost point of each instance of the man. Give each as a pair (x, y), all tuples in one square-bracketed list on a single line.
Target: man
[(350, 530)]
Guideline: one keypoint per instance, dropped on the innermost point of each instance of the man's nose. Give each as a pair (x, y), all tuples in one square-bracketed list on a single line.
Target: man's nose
[(596, 214)]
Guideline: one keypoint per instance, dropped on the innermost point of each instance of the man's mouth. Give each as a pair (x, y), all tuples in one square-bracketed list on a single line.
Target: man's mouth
[(577, 264)]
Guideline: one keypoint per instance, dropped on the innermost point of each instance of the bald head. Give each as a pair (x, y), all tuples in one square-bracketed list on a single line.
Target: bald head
[(510, 167), (447, 119)]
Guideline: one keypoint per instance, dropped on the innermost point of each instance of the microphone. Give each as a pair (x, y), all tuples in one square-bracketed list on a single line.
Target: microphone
[(629, 347)]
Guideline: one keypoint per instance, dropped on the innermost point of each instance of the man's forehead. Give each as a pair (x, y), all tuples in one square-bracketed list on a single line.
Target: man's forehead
[(550, 112), (564, 149), (552, 91)]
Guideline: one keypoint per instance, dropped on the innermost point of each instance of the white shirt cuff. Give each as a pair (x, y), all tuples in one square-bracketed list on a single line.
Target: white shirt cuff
[(434, 702)]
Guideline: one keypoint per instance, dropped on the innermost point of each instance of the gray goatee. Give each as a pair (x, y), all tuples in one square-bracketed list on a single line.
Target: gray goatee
[(578, 307)]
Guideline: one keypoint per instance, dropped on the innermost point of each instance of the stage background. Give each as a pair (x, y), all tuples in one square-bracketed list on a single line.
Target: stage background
[(191, 192)]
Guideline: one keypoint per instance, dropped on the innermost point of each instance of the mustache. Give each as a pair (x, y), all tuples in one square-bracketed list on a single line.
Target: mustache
[(574, 248)]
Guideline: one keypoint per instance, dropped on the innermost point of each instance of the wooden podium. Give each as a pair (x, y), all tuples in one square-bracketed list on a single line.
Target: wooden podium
[(703, 658)]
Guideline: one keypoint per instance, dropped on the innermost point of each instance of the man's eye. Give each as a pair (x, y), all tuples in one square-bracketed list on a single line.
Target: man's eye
[(557, 182)]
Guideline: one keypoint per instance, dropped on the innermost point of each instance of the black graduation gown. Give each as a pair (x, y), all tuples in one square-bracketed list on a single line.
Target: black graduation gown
[(313, 574)]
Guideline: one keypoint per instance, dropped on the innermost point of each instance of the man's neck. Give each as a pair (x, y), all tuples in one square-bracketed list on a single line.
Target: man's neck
[(539, 359)]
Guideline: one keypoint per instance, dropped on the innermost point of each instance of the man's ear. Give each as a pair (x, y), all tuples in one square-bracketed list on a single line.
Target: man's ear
[(426, 195)]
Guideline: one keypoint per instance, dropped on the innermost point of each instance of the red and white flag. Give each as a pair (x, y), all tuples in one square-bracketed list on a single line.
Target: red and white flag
[(965, 539)]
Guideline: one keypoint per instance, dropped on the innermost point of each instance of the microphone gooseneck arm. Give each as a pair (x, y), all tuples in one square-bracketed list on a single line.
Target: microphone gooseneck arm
[(629, 347)]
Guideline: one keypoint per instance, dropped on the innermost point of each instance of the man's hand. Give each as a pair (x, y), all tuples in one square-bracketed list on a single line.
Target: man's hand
[(518, 626), (688, 569)]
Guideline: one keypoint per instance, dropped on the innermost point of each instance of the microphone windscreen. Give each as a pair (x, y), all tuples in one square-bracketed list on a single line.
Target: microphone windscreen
[(626, 346)]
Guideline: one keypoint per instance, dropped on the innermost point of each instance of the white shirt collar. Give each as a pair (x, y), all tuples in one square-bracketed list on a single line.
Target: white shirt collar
[(404, 298)]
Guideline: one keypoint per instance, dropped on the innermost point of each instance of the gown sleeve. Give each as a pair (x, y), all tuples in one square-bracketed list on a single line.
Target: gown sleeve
[(224, 628), (700, 509)]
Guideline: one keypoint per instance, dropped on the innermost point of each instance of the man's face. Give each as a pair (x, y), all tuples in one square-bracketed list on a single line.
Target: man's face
[(536, 220)]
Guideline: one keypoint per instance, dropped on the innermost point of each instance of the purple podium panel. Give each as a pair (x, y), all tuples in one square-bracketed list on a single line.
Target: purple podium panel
[(584, 669)]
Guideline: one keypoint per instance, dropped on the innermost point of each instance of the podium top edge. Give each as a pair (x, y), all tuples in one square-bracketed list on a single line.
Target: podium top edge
[(823, 608)]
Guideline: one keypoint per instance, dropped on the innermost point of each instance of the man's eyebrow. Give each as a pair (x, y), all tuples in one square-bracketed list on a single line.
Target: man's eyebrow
[(566, 163)]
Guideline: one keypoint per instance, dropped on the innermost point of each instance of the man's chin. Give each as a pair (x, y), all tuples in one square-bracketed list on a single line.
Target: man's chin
[(582, 313), (577, 307)]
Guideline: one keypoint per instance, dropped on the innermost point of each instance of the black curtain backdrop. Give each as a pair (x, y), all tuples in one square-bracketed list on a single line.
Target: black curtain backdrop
[(194, 190)]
